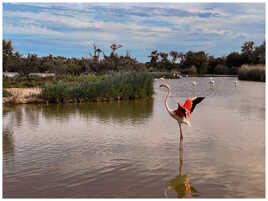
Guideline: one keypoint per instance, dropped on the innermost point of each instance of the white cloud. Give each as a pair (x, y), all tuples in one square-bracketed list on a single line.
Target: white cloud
[(46, 17), (36, 30)]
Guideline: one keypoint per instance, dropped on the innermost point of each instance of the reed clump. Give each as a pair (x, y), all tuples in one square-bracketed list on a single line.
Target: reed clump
[(252, 72), (130, 85)]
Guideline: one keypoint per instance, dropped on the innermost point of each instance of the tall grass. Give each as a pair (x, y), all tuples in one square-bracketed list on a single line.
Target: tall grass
[(252, 72), (128, 85)]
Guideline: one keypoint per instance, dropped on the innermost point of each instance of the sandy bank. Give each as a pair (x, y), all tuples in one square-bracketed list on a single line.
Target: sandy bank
[(23, 95)]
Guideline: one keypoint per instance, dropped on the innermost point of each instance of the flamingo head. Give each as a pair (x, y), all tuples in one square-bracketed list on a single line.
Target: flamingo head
[(164, 85)]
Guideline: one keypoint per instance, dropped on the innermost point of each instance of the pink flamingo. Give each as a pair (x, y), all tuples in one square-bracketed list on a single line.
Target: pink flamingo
[(183, 111)]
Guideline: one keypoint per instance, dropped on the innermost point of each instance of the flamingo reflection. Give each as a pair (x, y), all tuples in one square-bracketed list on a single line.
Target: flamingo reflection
[(181, 183)]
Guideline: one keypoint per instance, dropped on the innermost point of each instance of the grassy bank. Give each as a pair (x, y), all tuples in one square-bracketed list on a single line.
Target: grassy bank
[(119, 86), (252, 72)]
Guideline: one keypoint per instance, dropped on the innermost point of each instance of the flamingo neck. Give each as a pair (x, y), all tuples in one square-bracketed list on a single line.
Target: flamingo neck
[(166, 102)]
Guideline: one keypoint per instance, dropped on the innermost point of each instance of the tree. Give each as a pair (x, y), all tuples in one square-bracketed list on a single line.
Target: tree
[(213, 62), (220, 69), (164, 57), (181, 57), (15, 63), (248, 52), (197, 59), (154, 58), (234, 59), (174, 55), (30, 64), (33, 62), (165, 63), (97, 52), (259, 54), (47, 64), (114, 47), (7, 54)]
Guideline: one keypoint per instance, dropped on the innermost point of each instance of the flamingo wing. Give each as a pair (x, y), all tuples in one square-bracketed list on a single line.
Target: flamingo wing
[(195, 101), (180, 111), (188, 105)]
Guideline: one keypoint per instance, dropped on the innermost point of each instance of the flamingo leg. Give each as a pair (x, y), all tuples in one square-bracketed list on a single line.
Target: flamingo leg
[(181, 136), (180, 155)]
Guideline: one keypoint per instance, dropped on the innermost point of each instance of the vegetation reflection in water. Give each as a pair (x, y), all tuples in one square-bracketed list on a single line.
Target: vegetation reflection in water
[(181, 183), (12, 117), (8, 141), (136, 111)]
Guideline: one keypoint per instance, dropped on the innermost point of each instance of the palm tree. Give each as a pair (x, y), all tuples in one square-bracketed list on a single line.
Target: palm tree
[(114, 47), (154, 57)]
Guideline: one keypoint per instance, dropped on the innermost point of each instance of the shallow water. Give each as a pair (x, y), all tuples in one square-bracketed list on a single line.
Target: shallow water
[(130, 149)]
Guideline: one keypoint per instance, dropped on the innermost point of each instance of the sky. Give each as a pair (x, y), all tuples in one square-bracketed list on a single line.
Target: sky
[(70, 29)]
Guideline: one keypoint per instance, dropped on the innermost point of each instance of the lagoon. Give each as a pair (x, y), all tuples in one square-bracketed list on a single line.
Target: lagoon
[(130, 149)]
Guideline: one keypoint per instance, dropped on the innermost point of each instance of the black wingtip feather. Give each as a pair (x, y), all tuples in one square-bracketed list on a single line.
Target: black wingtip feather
[(195, 102), (198, 100)]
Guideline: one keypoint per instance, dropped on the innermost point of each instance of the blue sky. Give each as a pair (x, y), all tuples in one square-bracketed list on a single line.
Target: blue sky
[(70, 29)]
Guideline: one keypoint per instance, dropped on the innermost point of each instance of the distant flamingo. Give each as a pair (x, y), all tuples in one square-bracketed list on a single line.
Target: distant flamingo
[(236, 83), (211, 82), (183, 111), (162, 78), (194, 83)]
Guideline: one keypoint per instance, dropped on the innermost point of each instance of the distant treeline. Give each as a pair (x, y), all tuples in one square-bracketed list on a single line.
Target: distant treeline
[(98, 62)]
